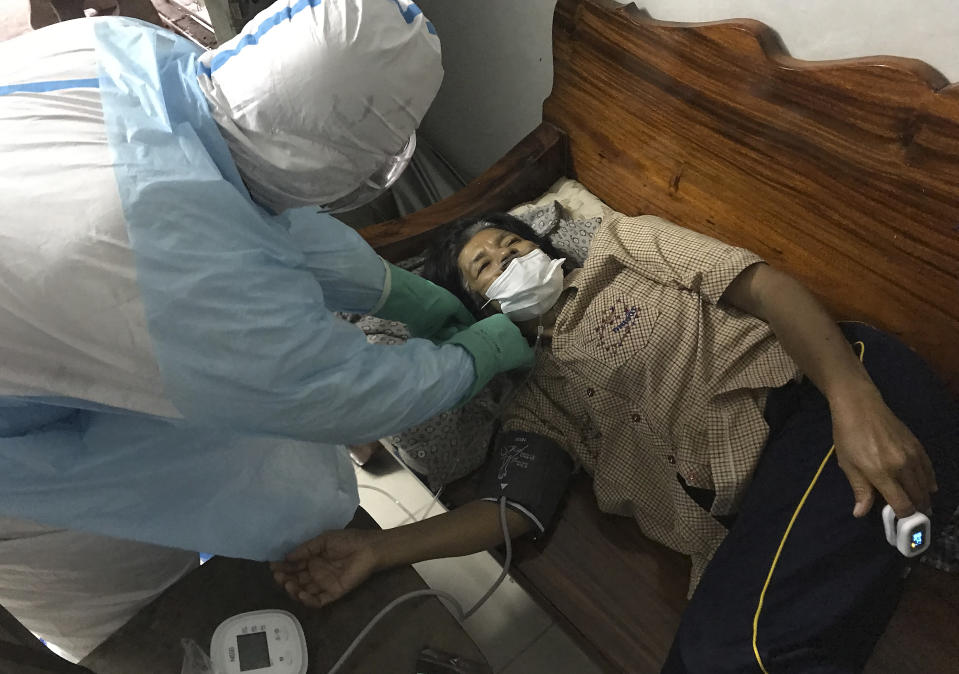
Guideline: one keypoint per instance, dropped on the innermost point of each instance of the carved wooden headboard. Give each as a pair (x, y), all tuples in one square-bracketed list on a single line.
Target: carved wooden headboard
[(844, 173)]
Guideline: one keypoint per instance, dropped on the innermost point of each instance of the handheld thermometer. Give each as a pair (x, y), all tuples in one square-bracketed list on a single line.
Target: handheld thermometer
[(263, 642), (910, 535)]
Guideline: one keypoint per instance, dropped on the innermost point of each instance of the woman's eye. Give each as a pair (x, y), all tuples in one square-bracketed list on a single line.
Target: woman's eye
[(483, 266)]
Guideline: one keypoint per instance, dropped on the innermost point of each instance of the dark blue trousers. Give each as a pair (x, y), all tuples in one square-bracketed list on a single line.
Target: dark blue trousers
[(818, 597)]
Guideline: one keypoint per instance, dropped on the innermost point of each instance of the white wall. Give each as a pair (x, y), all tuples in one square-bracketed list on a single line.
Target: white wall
[(499, 68), (834, 29), (497, 55)]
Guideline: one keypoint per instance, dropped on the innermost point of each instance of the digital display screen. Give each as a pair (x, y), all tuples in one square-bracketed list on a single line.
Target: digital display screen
[(254, 651), (916, 539)]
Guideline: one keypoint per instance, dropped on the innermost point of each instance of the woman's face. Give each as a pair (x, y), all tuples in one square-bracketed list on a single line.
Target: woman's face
[(487, 254)]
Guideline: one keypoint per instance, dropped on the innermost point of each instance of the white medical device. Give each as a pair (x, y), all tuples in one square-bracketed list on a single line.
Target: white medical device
[(263, 642), (910, 535)]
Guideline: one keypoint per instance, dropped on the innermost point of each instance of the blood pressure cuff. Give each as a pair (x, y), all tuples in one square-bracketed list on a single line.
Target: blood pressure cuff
[(531, 471)]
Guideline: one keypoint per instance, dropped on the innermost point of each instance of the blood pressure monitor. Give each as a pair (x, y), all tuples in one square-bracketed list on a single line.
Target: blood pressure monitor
[(910, 535), (261, 642)]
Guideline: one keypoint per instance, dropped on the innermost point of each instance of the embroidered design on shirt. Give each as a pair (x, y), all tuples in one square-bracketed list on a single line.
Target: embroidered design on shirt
[(616, 324)]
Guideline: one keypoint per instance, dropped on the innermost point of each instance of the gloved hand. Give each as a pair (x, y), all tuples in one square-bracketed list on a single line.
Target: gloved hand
[(496, 345), (427, 309)]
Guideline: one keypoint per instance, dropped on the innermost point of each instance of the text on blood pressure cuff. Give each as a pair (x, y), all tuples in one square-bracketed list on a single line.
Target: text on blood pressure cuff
[(531, 471)]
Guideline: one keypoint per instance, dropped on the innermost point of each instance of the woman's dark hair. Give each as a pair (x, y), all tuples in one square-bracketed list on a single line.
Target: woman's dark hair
[(441, 266)]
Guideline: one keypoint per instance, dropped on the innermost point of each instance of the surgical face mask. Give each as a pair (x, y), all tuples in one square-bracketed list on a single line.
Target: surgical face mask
[(529, 286), (376, 184)]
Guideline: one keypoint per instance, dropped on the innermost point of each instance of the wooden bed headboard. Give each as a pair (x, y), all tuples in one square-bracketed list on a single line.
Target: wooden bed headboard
[(843, 173)]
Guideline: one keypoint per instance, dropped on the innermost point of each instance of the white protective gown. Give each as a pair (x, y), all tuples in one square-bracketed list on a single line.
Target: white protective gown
[(170, 369)]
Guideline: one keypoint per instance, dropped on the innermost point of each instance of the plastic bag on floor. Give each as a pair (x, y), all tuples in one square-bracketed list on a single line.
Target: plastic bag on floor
[(195, 659)]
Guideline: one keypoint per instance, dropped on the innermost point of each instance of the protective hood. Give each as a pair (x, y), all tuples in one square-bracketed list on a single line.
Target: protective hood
[(316, 96)]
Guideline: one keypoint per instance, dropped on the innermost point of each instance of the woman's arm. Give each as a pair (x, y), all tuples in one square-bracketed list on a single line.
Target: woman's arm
[(326, 567), (468, 529), (873, 447)]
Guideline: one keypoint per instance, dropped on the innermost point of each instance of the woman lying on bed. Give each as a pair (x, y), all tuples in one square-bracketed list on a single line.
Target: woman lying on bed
[(703, 390)]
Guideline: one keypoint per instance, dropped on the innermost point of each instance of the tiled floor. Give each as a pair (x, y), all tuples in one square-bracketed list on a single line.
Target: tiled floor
[(515, 635)]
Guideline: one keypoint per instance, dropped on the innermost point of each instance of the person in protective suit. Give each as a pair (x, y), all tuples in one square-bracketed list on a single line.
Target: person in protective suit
[(172, 375)]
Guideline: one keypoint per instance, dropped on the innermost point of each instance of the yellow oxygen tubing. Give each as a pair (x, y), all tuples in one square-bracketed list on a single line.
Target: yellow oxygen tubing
[(782, 542)]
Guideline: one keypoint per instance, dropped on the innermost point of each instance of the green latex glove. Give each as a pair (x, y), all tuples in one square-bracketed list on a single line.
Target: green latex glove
[(496, 345), (427, 310)]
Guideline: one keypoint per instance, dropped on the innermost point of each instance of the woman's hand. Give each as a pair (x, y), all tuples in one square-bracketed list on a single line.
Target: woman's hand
[(325, 568), (329, 566), (876, 450)]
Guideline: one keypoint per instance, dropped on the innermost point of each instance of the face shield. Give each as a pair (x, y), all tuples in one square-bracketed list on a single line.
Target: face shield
[(380, 181)]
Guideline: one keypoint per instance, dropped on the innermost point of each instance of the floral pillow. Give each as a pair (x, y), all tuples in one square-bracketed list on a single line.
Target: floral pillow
[(455, 443)]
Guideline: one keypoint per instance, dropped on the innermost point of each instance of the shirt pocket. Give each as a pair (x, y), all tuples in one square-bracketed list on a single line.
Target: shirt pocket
[(696, 474), (678, 466), (619, 323), (693, 463), (664, 457)]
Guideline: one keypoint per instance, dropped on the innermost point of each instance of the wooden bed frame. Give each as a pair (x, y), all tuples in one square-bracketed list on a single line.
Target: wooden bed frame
[(843, 173)]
